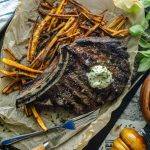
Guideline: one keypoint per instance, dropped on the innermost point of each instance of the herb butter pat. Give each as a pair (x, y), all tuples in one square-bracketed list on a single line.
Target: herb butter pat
[(99, 77)]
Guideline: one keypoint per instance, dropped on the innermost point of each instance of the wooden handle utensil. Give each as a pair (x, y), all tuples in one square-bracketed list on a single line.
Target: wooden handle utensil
[(145, 99)]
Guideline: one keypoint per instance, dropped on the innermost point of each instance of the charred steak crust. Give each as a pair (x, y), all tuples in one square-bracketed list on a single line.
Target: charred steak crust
[(70, 88), (73, 91)]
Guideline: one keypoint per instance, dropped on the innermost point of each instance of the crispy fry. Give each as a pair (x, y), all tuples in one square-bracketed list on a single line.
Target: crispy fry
[(92, 29), (19, 66), (58, 11), (44, 42), (115, 22), (74, 11), (63, 16), (30, 40), (32, 20), (46, 5), (70, 30), (91, 19), (121, 24), (27, 110), (43, 12), (94, 17), (109, 30), (58, 27), (123, 32), (13, 89), (38, 118), (23, 81), (88, 28), (10, 54), (36, 35), (68, 37), (16, 74), (42, 55), (10, 85)]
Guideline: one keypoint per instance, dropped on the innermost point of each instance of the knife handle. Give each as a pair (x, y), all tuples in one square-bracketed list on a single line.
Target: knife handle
[(145, 99), (42, 146), (39, 147)]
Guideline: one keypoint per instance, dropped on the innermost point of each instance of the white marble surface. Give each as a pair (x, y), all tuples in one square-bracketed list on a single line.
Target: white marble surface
[(132, 117)]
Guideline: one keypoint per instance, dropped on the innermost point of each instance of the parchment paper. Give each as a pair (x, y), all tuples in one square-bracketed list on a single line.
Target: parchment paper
[(14, 122)]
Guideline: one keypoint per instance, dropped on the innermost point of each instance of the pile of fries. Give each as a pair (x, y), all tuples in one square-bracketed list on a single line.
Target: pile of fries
[(60, 23)]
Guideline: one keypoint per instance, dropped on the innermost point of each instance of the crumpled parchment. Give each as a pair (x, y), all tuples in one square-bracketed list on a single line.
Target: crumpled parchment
[(14, 122)]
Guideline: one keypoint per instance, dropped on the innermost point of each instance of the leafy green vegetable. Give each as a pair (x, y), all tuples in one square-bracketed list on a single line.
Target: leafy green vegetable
[(144, 24), (145, 53), (144, 44), (136, 30), (146, 3), (141, 30), (144, 64), (148, 16)]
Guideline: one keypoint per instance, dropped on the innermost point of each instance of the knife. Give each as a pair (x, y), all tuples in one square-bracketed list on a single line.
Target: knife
[(145, 132)]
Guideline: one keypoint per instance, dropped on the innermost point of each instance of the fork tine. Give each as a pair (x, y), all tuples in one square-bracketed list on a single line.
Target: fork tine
[(82, 116), (85, 118), (85, 121)]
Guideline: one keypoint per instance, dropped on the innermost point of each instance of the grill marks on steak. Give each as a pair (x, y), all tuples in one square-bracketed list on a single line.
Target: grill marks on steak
[(73, 91)]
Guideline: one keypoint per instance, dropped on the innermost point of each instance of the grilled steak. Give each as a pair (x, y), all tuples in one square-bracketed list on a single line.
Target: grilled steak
[(73, 91)]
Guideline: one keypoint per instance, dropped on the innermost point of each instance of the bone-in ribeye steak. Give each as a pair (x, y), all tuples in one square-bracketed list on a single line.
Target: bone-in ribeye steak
[(72, 91)]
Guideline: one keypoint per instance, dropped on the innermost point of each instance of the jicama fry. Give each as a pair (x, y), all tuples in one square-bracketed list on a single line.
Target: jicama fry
[(46, 5), (27, 110), (19, 66), (120, 25), (23, 81), (88, 28), (38, 118), (10, 54), (58, 11), (31, 20), (69, 37), (10, 85), (92, 29), (58, 27), (42, 44), (41, 56), (43, 12), (16, 74), (37, 33), (123, 32), (87, 12), (91, 19), (13, 89), (115, 22), (69, 31), (63, 16), (49, 3), (109, 30), (73, 11), (30, 39)]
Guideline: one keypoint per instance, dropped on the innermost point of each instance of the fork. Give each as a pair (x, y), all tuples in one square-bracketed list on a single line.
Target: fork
[(72, 124)]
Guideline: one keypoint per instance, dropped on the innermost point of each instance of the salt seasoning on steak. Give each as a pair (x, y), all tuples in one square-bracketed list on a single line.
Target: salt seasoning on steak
[(73, 90)]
